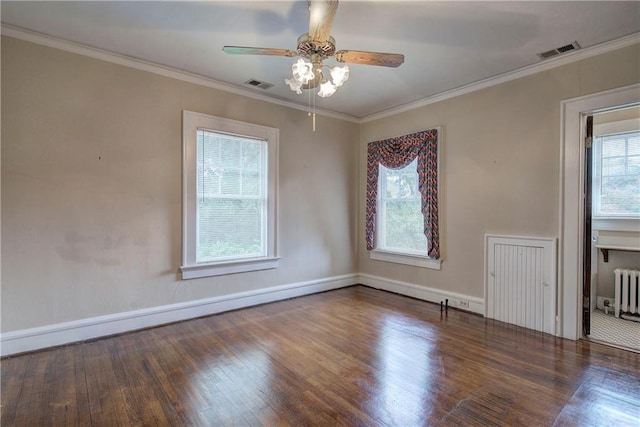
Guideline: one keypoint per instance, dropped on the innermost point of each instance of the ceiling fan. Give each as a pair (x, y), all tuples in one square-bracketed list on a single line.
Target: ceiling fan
[(316, 46)]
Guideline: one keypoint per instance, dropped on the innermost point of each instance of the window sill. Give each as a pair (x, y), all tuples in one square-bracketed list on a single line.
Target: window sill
[(229, 267), (399, 258)]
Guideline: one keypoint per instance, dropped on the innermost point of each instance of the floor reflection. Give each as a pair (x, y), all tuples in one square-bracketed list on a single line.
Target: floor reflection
[(408, 363), (234, 385)]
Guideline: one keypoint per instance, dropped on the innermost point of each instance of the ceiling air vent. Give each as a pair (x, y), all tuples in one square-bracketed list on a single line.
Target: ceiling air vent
[(559, 50), (258, 84)]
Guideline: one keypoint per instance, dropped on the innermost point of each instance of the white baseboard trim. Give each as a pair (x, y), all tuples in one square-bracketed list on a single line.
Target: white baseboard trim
[(80, 330), (475, 305), (25, 340)]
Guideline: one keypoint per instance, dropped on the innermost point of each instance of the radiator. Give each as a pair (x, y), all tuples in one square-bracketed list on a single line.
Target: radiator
[(520, 281), (627, 291)]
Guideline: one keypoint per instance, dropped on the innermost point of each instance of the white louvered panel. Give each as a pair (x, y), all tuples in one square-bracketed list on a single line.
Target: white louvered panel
[(520, 281)]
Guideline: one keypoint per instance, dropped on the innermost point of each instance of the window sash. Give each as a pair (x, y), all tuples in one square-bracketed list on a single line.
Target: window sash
[(221, 243), (385, 199), (606, 176)]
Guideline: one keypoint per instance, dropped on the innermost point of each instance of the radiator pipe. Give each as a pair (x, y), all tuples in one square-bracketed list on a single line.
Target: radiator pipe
[(444, 306)]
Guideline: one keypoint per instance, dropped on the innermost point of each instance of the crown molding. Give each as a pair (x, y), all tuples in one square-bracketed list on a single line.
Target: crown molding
[(545, 65), (132, 62), (162, 70)]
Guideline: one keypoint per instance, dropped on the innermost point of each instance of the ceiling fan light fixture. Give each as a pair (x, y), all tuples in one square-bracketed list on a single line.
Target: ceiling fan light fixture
[(327, 89), (313, 48), (339, 75), (303, 71), (295, 85), (316, 46)]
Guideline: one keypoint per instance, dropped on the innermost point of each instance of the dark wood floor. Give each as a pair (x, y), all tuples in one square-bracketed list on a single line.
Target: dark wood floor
[(354, 356)]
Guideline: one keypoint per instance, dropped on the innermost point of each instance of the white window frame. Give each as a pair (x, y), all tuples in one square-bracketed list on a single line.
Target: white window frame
[(407, 258), (191, 123), (611, 222)]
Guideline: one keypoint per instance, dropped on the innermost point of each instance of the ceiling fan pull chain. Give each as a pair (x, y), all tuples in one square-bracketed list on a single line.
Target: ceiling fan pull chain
[(313, 118)]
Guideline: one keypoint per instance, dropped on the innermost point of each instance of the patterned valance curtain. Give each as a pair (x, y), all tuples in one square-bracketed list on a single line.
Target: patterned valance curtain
[(396, 153)]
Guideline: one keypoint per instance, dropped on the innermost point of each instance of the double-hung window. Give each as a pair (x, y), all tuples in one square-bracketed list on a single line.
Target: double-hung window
[(229, 196), (402, 200)]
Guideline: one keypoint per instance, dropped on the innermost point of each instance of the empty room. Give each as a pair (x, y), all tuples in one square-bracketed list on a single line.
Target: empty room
[(319, 213)]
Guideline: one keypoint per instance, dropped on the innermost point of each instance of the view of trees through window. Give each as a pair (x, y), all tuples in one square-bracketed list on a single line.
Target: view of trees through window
[(401, 223), (231, 197), (617, 177)]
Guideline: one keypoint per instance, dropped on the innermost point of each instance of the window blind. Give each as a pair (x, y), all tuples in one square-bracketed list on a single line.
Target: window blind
[(617, 189), (231, 205)]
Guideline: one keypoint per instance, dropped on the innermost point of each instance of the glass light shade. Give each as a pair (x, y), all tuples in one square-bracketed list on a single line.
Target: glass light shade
[(295, 85), (327, 89), (303, 71), (339, 75)]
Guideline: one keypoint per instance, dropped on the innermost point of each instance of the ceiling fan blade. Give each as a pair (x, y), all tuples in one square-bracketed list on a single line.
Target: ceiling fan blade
[(243, 50), (370, 58), (321, 14)]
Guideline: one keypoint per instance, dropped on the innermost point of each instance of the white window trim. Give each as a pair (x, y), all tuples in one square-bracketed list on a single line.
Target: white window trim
[(406, 258), (191, 122)]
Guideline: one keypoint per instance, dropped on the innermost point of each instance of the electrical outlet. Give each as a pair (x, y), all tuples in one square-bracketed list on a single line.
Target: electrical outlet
[(463, 304)]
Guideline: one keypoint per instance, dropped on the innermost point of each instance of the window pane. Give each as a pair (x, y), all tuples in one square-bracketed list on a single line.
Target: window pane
[(613, 146), (250, 155), (633, 165), (251, 184), (391, 183), (229, 228), (620, 196), (613, 166), (230, 182), (230, 152), (208, 169), (404, 226), (634, 145)]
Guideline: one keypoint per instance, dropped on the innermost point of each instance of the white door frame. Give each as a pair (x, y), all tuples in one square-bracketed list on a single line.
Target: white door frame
[(571, 221)]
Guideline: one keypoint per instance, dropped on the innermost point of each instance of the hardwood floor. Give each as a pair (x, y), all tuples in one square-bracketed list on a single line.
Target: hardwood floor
[(354, 356)]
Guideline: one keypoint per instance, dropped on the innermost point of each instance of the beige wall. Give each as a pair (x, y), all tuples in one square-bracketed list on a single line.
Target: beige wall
[(91, 189), (499, 165)]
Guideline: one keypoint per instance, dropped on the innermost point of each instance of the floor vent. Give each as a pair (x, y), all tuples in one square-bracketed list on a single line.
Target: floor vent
[(258, 84), (559, 50)]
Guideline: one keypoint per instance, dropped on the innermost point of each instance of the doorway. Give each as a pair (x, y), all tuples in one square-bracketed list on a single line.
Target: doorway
[(612, 227), (570, 256)]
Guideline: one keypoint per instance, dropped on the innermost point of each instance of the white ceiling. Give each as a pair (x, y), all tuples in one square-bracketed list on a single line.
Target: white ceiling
[(446, 44)]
